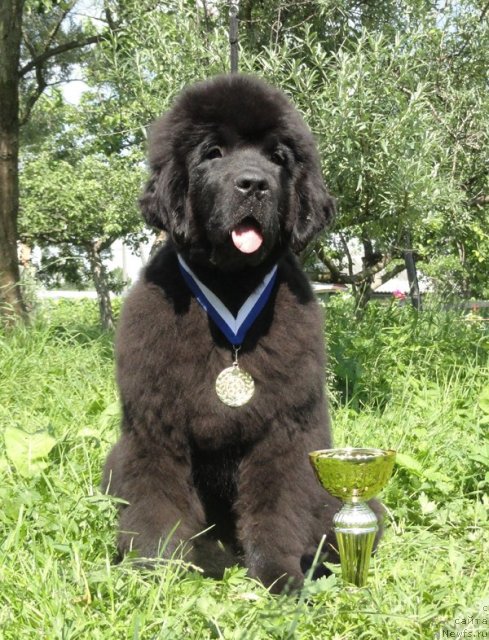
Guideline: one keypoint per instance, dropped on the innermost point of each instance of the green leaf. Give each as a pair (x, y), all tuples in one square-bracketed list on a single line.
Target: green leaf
[(481, 456), (456, 559), (27, 450), (4, 465), (484, 400), (440, 480), (409, 463), (110, 415), (427, 506)]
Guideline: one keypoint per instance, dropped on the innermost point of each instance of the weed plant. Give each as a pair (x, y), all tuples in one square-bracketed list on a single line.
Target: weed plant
[(415, 382)]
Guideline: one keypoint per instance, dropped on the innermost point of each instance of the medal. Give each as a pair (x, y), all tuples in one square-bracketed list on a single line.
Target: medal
[(234, 386)]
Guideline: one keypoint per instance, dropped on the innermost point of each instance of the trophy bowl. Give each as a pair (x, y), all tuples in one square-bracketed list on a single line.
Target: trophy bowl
[(354, 475)]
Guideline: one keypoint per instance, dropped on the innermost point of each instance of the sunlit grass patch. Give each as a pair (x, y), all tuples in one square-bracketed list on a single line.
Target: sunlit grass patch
[(420, 385)]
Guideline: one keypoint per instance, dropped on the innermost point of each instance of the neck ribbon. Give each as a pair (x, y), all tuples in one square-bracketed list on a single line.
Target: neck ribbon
[(233, 327)]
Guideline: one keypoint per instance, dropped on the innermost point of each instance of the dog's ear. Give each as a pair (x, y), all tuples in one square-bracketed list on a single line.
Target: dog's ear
[(315, 209), (149, 206), (163, 200)]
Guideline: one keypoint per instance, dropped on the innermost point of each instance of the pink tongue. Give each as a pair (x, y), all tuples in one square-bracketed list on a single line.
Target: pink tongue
[(246, 238)]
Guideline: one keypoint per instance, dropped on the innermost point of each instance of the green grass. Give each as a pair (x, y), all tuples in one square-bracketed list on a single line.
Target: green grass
[(418, 384)]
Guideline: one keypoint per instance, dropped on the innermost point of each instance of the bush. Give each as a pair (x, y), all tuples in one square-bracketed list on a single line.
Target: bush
[(371, 354)]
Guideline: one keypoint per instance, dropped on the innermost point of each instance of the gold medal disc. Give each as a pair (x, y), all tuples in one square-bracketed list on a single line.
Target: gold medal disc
[(234, 386)]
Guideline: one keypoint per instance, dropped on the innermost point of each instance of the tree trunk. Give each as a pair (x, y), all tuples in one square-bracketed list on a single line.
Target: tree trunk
[(363, 290), (100, 281), (233, 36), (11, 302), (412, 273)]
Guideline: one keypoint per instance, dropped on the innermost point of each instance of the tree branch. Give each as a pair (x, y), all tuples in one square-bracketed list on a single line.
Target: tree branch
[(37, 61), (388, 275), (348, 253), (57, 26), (364, 274), (113, 25), (336, 274), (369, 272), (483, 12), (62, 48), (99, 244), (479, 201), (41, 84)]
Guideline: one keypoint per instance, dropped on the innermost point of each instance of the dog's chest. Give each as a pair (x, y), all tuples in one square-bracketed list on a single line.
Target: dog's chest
[(171, 354), (282, 352)]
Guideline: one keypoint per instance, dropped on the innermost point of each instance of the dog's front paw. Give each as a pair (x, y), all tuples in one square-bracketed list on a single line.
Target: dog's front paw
[(280, 575)]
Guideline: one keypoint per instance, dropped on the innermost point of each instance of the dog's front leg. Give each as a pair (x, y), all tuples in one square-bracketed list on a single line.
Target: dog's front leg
[(273, 515), (163, 510)]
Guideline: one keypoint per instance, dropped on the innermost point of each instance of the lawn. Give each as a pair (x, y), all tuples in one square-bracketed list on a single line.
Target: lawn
[(416, 383)]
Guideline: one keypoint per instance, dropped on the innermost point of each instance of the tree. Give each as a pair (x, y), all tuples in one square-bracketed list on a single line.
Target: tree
[(10, 38), (36, 42), (402, 122), (86, 205), (163, 46), (393, 91)]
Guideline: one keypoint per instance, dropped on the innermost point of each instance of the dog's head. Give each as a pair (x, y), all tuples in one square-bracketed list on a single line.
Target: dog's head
[(236, 176)]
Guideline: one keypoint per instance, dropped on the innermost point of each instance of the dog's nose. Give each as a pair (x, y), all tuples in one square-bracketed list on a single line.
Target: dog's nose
[(252, 182)]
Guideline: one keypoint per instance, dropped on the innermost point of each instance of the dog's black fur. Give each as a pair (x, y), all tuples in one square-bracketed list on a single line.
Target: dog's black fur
[(230, 149)]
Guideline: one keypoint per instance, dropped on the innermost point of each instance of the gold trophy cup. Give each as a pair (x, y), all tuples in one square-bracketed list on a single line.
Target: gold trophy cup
[(354, 476)]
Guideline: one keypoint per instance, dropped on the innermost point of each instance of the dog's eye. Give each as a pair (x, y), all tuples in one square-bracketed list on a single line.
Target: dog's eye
[(213, 152), (278, 157)]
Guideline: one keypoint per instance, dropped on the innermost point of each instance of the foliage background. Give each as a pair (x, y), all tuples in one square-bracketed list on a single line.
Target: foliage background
[(396, 93)]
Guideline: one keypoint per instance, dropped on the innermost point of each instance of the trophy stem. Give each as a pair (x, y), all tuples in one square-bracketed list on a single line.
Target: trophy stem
[(355, 526)]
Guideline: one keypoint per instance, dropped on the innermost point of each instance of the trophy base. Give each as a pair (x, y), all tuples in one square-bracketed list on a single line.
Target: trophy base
[(355, 526)]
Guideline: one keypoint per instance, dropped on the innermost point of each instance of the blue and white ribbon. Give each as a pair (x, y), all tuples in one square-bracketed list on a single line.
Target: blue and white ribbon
[(233, 327)]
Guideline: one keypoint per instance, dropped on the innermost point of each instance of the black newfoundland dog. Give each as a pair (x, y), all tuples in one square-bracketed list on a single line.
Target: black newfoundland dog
[(236, 182)]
